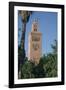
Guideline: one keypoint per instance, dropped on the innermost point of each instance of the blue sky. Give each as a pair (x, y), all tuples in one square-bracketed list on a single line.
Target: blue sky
[(47, 26)]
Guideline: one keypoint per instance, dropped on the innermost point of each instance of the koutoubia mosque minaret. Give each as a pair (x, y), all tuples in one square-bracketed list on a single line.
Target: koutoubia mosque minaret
[(35, 43)]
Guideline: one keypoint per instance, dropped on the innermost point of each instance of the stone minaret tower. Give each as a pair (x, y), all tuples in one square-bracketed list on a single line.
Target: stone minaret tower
[(34, 43)]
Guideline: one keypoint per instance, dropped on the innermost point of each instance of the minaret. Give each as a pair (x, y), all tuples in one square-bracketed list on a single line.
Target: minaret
[(34, 43)]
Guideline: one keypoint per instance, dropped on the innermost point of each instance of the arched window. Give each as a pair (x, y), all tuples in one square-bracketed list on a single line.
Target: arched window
[(35, 29)]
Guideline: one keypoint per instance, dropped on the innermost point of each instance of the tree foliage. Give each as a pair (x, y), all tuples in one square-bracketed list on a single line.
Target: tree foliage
[(27, 69), (47, 66)]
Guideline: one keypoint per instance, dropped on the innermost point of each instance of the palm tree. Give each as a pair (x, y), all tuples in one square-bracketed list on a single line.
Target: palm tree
[(25, 18)]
